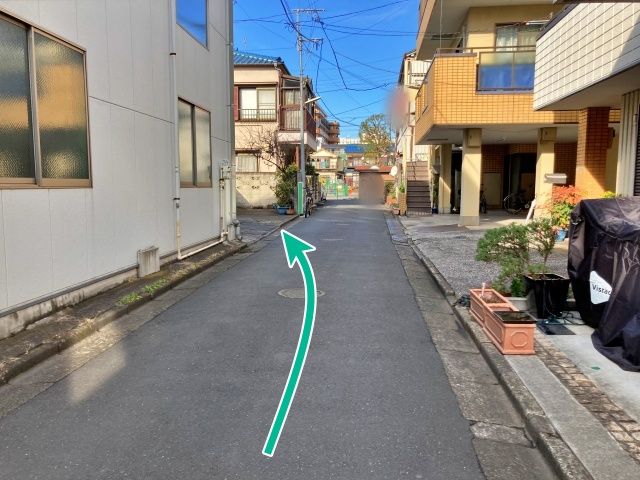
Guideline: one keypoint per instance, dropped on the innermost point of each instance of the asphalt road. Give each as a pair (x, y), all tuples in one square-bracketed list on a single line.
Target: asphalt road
[(192, 393)]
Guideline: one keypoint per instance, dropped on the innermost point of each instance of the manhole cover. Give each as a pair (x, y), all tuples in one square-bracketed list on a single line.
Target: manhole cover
[(296, 293)]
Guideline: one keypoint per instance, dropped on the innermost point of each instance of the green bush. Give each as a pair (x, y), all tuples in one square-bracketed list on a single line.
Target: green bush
[(285, 188), (508, 247), (542, 237)]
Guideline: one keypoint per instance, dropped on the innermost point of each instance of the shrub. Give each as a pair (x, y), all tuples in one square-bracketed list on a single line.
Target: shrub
[(286, 185), (542, 237), (509, 248), (562, 202)]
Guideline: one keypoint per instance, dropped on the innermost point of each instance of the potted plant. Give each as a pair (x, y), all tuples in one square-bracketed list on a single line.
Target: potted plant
[(395, 208), (546, 292), (285, 188), (485, 301), (511, 332), (402, 199), (562, 202), (434, 200)]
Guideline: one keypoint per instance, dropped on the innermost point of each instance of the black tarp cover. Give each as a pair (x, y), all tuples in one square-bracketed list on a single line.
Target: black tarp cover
[(604, 267)]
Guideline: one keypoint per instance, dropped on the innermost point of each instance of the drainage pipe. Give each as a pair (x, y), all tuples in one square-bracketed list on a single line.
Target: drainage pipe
[(173, 108)]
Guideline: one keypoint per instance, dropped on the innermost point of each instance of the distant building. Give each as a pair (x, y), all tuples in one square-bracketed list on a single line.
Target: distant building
[(267, 128)]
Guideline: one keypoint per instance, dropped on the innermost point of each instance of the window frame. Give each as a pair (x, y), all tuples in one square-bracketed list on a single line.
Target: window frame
[(38, 181), (257, 89), (195, 183), (206, 25)]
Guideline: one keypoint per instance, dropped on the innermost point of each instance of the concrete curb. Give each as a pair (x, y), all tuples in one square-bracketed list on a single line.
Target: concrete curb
[(537, 424), (61, 342), (275, 229)]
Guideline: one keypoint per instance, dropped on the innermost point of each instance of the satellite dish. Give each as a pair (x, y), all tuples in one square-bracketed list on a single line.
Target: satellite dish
[(394, 171)]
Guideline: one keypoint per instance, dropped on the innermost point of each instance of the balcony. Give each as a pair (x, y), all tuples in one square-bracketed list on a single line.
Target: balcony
[(259, 115), (290, 119), (290, 126), (473, 88), (506, 71)]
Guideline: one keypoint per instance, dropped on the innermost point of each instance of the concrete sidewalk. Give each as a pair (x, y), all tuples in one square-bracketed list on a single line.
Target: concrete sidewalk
[(589, 401), (62, 329)]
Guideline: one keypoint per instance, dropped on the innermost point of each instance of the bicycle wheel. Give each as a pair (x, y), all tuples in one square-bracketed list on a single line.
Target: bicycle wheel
[(512, 204)]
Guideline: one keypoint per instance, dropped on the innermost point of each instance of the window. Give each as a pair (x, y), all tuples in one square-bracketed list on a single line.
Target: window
[(194, 143), (258, 104), (517, 35), (192, 16), (49, 145), (246, 162)]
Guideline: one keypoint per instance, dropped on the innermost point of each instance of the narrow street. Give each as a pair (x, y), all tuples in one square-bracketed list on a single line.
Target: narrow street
[(191, 394)]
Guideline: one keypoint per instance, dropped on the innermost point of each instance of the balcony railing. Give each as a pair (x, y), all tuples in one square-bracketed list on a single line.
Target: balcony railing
[(290, 120), (258, 115), (506, 70)]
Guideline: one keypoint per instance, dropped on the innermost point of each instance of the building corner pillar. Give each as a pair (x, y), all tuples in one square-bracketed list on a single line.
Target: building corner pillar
[(444, 186), (593, 142), (471, 177), (545, 164)]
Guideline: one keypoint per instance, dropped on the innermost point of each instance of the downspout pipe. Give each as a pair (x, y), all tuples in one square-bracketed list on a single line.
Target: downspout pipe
[(173, 108), (232, 129)]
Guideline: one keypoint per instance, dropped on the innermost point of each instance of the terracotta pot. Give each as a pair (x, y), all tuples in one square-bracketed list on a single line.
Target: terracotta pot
[(483, 305), (402, 203), (511, 332)]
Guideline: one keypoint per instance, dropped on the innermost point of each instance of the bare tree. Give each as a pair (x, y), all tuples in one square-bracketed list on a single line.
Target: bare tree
[(266, 147)]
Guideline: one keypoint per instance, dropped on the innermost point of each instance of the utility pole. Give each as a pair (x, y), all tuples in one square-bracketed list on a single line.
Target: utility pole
[(302, 174)]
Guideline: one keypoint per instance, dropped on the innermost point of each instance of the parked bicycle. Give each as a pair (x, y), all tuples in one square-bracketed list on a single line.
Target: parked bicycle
[(514, 203), (308, 202), (483, 202)]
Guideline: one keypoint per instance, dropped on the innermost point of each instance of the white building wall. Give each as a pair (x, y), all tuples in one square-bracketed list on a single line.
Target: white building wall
[(592, 42), (54, 239)]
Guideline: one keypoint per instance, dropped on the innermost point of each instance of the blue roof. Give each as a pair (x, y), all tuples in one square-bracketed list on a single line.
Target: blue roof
[(246, 58), (353, 149)]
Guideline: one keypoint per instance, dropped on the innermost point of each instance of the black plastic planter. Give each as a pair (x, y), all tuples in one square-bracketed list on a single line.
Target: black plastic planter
[(546, 294)]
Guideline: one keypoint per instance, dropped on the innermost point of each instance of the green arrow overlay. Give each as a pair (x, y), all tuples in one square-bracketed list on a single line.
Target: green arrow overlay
[(296, 250)]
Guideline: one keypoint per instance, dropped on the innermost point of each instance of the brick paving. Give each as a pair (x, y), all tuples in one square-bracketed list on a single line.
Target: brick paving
[(620, 426)]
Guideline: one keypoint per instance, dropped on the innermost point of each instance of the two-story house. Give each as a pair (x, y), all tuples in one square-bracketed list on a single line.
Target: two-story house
[(267, 128), (478, 94), (588, 59)]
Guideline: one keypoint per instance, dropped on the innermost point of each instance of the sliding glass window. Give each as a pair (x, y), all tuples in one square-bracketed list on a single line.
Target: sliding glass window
[(194, 138), (44, 138)]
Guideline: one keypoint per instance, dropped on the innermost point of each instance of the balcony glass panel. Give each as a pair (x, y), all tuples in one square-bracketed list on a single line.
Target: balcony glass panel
[(506, 70)]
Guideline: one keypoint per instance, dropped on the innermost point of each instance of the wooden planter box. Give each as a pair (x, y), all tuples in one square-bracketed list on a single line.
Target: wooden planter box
[(511, 332), (402, 203), (483, 306)]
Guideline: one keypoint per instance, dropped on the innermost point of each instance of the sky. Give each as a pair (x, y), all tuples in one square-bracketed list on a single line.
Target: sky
[(367, 47)]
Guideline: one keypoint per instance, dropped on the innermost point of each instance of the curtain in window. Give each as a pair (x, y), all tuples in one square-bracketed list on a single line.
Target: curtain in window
[(246, 162), (266, 99), (291, 97), (506, 36)]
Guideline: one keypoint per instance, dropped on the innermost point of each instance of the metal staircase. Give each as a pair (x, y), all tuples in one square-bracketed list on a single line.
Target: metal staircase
[(418, 188)]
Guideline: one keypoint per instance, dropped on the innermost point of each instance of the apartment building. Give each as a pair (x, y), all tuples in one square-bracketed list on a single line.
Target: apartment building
[(327, 132), (115, 142), (477, 99), (588, 60), (267, 128)]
